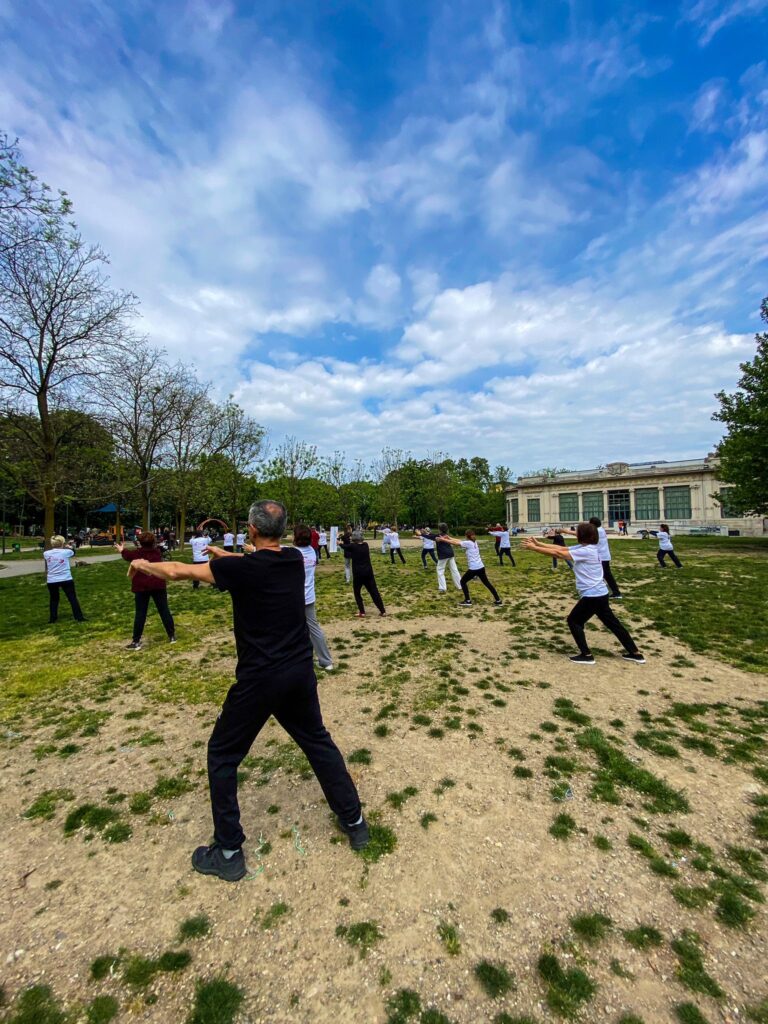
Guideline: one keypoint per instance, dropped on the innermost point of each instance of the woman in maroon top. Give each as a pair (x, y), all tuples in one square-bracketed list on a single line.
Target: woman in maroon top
[(145, 587)]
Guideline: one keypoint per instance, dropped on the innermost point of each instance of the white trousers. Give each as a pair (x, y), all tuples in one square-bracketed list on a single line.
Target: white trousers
[(348, 570), (455, 576)]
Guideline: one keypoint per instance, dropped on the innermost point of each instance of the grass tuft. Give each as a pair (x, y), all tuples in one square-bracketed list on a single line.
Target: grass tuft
[(643, 937), (361, 936), (102, 1010), (562, 827), (691, 971), (566, 990), (592, 928), (494, 979), (688, 1013), (194, 927), (449, 936), (216, 1002)]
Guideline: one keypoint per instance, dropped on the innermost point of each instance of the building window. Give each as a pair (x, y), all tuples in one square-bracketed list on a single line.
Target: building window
[(514, 510), (726, 512), (534, 510), (677, 502), (618, 506), (592, 503), (647, 503), (569, 508)]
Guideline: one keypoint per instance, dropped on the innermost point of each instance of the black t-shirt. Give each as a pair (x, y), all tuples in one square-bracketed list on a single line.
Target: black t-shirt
[(444, 549), (360, 557), (559, 540), (270, 622)]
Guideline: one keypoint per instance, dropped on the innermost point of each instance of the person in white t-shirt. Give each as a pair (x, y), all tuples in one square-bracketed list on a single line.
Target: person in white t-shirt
[(501, 533), (427, 545), (385, 540), (229, 541), (666, 548), (240, 542), (58, 576), (322, 543), (302, 539), (603, 549), (475, 567), (199, 543), (394, 546), (593, 593)]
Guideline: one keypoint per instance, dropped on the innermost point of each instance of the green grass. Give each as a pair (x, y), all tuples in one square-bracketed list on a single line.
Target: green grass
[(566, 990), (403, 1006), (382, 841), (494, 978), (217, 1001), (275, 914), (360, 756), (44, 806), (102, 1010), (195, 927), (449, 936), (690, 970), (591, 928), (643, 937), (689, 1013), (563, 826), (361, 936)]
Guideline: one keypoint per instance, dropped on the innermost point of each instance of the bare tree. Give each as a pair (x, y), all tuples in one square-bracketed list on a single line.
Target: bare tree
[(386, 472), (241, 443), (59, 324), (26, 203), (193, 432), (294, 460), (138, 400)]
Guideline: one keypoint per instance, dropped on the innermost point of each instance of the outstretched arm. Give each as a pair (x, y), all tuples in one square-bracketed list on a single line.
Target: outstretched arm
[(449, 540), (553, 550), (173, 570), (221, 553)]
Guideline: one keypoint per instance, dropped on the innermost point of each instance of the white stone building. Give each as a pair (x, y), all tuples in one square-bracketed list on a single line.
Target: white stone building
[(642, 493)]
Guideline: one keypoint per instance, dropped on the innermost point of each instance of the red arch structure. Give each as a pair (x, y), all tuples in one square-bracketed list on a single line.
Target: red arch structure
[(205, 522)]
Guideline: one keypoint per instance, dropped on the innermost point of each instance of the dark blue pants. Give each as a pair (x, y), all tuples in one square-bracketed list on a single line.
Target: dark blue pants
[(68, 586)]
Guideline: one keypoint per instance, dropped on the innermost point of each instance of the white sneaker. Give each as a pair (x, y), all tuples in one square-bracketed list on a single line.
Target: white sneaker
[(327, 668)]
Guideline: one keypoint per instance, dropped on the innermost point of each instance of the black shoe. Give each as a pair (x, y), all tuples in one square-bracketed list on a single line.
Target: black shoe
[(465, 604), (583, 659), (209, 860), (171, 639), (637, 658), (134, 645), (358, 834), (498, 603), (617, 597)]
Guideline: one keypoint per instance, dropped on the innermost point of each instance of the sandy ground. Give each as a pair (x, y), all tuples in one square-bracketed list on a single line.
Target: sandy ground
[(489, 847)]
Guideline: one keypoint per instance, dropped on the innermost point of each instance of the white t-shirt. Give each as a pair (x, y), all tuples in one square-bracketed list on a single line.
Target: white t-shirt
[(602, 545), (588, 569), (310, 561), (240, 539), (323, 538), (427, 544), (198, 544), (229, 540), (503, 536), (394, 539), (665, 541), (57, 564), (474, 561)]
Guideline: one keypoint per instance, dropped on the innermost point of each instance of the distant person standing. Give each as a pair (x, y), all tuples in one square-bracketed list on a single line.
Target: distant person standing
[(394, 546), (503, 544), (322, 544), (199, 543), (445, 559), (428, 540), (385, 540), (666, 548), (58, 576), (240, 541), (344, 541), (604, 550), (146, 588), (557, 538), (362, 573), (301, 540), (229, 541)]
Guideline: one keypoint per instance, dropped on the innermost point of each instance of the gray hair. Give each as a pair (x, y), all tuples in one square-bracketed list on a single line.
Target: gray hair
[(268, 517), (357, 536), (442, 527)]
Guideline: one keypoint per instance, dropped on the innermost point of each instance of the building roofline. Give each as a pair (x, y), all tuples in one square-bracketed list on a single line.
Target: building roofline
[(621, 470)]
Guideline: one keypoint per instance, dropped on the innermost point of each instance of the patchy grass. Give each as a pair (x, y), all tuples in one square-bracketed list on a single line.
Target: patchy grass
[(449, 936), (217, 1001), (361, 936), (690, 970), (494, 978), (196, 927), (591, 928), (566, 990)]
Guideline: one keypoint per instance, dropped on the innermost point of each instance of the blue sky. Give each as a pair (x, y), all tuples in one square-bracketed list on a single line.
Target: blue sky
[(536, 232)]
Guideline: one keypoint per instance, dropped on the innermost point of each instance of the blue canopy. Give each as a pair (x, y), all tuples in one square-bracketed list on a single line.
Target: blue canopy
[(111, 507)]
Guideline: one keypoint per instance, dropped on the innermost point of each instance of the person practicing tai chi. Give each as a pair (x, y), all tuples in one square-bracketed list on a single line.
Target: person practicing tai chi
[(604, 551), (593, 593), (199, 544), (385, 540), (146, 587), (229, 541), (445, 558), (475, 567), (274, 676), (322, 544), (666, 548), (345, 538), (394, 546), (302, 540), (240, 541), (556, 537), (358, 553), (58, 576), (427, 545), (503, 544)]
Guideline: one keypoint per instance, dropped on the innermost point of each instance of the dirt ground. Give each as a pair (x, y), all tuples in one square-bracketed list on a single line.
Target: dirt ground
[(488, 848)]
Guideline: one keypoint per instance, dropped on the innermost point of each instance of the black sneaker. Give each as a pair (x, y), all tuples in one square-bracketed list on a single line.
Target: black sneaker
[(358, 834), (171, 639), (498, 603), (582, 659), (209, 860), (134, 645), (617, 597), (465, 604), (637, 658)]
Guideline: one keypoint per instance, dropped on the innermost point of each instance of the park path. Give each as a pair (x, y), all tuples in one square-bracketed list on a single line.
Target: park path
[(8, 569)]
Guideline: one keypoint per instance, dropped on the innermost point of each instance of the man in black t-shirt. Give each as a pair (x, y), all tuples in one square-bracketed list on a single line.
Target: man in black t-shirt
[(274, 676)]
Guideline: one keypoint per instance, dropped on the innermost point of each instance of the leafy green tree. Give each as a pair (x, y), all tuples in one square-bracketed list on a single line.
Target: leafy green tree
[(743, 451)]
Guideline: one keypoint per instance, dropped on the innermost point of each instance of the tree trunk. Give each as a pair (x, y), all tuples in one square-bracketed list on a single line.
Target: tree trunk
[(144, 501), (49, 515), (182, 525)]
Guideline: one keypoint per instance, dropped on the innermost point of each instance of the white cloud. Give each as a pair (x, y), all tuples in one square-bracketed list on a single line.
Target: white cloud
[(741, 172), (713, 15), (706, 107)]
